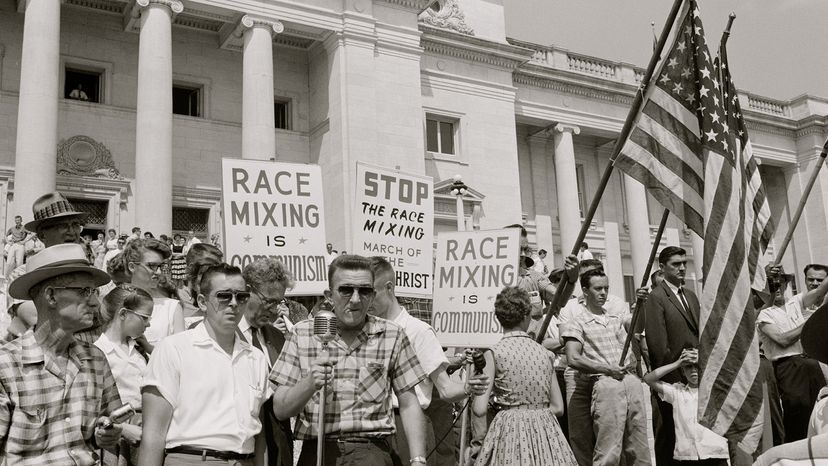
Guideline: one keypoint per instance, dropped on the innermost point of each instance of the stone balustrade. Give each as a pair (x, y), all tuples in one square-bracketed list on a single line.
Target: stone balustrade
[(766, 105)]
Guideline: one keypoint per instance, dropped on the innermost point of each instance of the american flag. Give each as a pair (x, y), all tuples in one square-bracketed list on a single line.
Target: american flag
[(689, 147)]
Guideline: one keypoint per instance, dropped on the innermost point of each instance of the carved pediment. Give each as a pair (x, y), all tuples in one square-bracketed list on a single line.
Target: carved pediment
[(446, 14), (83, 156)]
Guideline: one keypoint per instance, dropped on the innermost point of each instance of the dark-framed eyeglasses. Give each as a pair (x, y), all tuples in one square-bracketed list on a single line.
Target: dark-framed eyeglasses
[(268, 303), (225, 297), (84, 291), (346, 291), (153, 267)]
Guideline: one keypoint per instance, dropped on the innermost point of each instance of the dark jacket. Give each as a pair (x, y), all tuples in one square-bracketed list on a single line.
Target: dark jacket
[(669, 327), (278, 434)]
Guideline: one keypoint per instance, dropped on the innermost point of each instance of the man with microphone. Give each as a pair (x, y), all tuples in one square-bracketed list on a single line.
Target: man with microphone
[(368, 359)]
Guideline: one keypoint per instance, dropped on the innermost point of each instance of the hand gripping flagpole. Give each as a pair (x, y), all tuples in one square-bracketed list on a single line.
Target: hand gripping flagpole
[(564, 289)]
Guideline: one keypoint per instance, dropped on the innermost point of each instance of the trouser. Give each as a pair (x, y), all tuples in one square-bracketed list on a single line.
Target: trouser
[(180, 459), (664, 431), (350, 453), (440, 439), (619, 421), (15, 257), (799, 380), (775, 403), (579, 418)]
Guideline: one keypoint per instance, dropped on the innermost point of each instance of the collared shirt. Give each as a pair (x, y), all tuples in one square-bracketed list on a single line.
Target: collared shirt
[(682, 298), (45, 411), (428, 350), (693, 440), (215, 396), (419, 308), (127, 367), (359, 401), (602, 335), (247, 331), (785, 318), (17, 234)]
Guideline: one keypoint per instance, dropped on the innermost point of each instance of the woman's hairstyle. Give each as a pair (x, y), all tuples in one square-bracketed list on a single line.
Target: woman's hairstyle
[(134, 252), (123, 296), (512, 305), (199, 258)]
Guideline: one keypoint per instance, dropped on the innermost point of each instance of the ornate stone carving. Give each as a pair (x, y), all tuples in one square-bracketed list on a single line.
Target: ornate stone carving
[(447, 14), (84, 156)]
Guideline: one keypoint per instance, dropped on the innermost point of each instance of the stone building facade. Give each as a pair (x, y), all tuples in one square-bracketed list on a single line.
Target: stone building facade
[(433, 87)]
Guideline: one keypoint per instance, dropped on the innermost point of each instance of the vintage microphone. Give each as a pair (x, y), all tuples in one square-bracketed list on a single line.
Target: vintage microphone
[(324, 330)]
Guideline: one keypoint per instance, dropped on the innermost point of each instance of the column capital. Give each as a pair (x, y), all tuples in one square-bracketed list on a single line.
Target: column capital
[(567, 128), (175, 6), (273, 26)]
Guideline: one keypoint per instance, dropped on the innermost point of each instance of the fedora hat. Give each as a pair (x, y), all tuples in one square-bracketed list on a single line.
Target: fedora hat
[(51, 262), (52, 206), (813, 335)]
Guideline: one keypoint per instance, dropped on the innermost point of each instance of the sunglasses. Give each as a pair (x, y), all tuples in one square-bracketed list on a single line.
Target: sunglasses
[(84, 291), (225, 297), (152, 267), (348, 291), (143, 317)]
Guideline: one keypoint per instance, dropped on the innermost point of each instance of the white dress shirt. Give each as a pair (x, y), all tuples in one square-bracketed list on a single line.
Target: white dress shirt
[(693, 440), (127, 368), (428, 350), (247, 331)]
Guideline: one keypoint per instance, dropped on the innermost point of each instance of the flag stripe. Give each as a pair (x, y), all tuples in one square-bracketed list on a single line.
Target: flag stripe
[(670, 157), (676, 110), (684, 148)]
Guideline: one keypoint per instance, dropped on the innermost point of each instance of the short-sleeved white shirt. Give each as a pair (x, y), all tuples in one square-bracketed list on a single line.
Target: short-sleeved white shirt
[(428, 350), (786, 318), (693, 440), (215, 397), (127, 368), (162, 321)]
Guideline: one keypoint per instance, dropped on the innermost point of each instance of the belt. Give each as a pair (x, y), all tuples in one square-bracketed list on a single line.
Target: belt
[(529, 406), (203, 452), (357, 439)]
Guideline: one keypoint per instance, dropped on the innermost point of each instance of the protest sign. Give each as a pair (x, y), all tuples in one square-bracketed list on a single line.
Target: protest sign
[(394, 218), (472, 268), (274, 209)]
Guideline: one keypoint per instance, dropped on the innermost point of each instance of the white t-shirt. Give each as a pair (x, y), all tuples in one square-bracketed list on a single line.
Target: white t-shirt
[(215, 397), (786, 318), (693, 440), (428, 350), (127, 368), (163, 316)]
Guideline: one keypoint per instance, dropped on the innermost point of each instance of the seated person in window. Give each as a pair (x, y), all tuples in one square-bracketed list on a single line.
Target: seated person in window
[(78, 93)]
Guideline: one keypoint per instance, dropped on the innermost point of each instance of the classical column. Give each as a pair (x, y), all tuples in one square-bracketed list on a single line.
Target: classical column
[(153, 131), (569, 215), (639, 223), (258, 120), (37, 111)]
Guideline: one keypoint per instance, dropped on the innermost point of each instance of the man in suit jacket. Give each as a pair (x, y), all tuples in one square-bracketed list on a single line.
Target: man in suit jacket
[(671, 316), (267, 279)]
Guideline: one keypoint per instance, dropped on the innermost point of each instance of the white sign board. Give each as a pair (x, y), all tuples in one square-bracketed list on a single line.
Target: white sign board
[(274, 209), (472, 268), (394, 218)]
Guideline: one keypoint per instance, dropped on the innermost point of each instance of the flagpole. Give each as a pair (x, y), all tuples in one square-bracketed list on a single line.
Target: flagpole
[(564, 289), (639, 302), (801, 206)]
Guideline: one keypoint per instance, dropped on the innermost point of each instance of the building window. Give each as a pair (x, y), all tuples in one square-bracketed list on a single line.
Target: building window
[(82, 84), (185, 219), (281, 111), (97, 213), (629, 288), (579, 177), (186, 100), (441, 135)]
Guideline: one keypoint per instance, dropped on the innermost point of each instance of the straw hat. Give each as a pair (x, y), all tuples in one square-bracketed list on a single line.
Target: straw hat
[(813, 335), (51, 262), (53, 206)]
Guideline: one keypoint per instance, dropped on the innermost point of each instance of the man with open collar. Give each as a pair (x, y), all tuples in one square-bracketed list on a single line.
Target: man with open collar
[(370, 358), (53, 388)]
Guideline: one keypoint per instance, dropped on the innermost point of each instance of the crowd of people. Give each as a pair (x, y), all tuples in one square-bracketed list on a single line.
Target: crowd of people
[(132, 350)]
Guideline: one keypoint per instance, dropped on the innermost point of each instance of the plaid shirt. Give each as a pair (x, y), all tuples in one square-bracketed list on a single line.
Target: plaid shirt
[(359, 400), (419, 308), (46, 412), (602, 336)]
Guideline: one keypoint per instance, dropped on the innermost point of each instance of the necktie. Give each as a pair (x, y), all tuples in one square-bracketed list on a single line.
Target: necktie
[(683, 300), (254, 339)]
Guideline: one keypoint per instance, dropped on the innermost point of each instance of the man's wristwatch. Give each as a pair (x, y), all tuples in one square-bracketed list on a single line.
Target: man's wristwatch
[(418, 460)]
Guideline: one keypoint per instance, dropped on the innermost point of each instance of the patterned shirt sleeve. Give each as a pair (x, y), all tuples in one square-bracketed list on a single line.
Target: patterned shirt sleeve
[(573, 329), (406, 371), (5, 416), (110, 398), (287, 370)]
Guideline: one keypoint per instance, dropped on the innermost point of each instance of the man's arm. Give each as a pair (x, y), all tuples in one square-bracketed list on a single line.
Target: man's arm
[(654, 377), (413, 423), (780, 337), (815, 296), (157, 415), (575, 358), (288, 401)]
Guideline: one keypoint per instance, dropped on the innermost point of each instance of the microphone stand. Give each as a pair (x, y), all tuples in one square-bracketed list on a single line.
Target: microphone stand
[(320, 437)]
